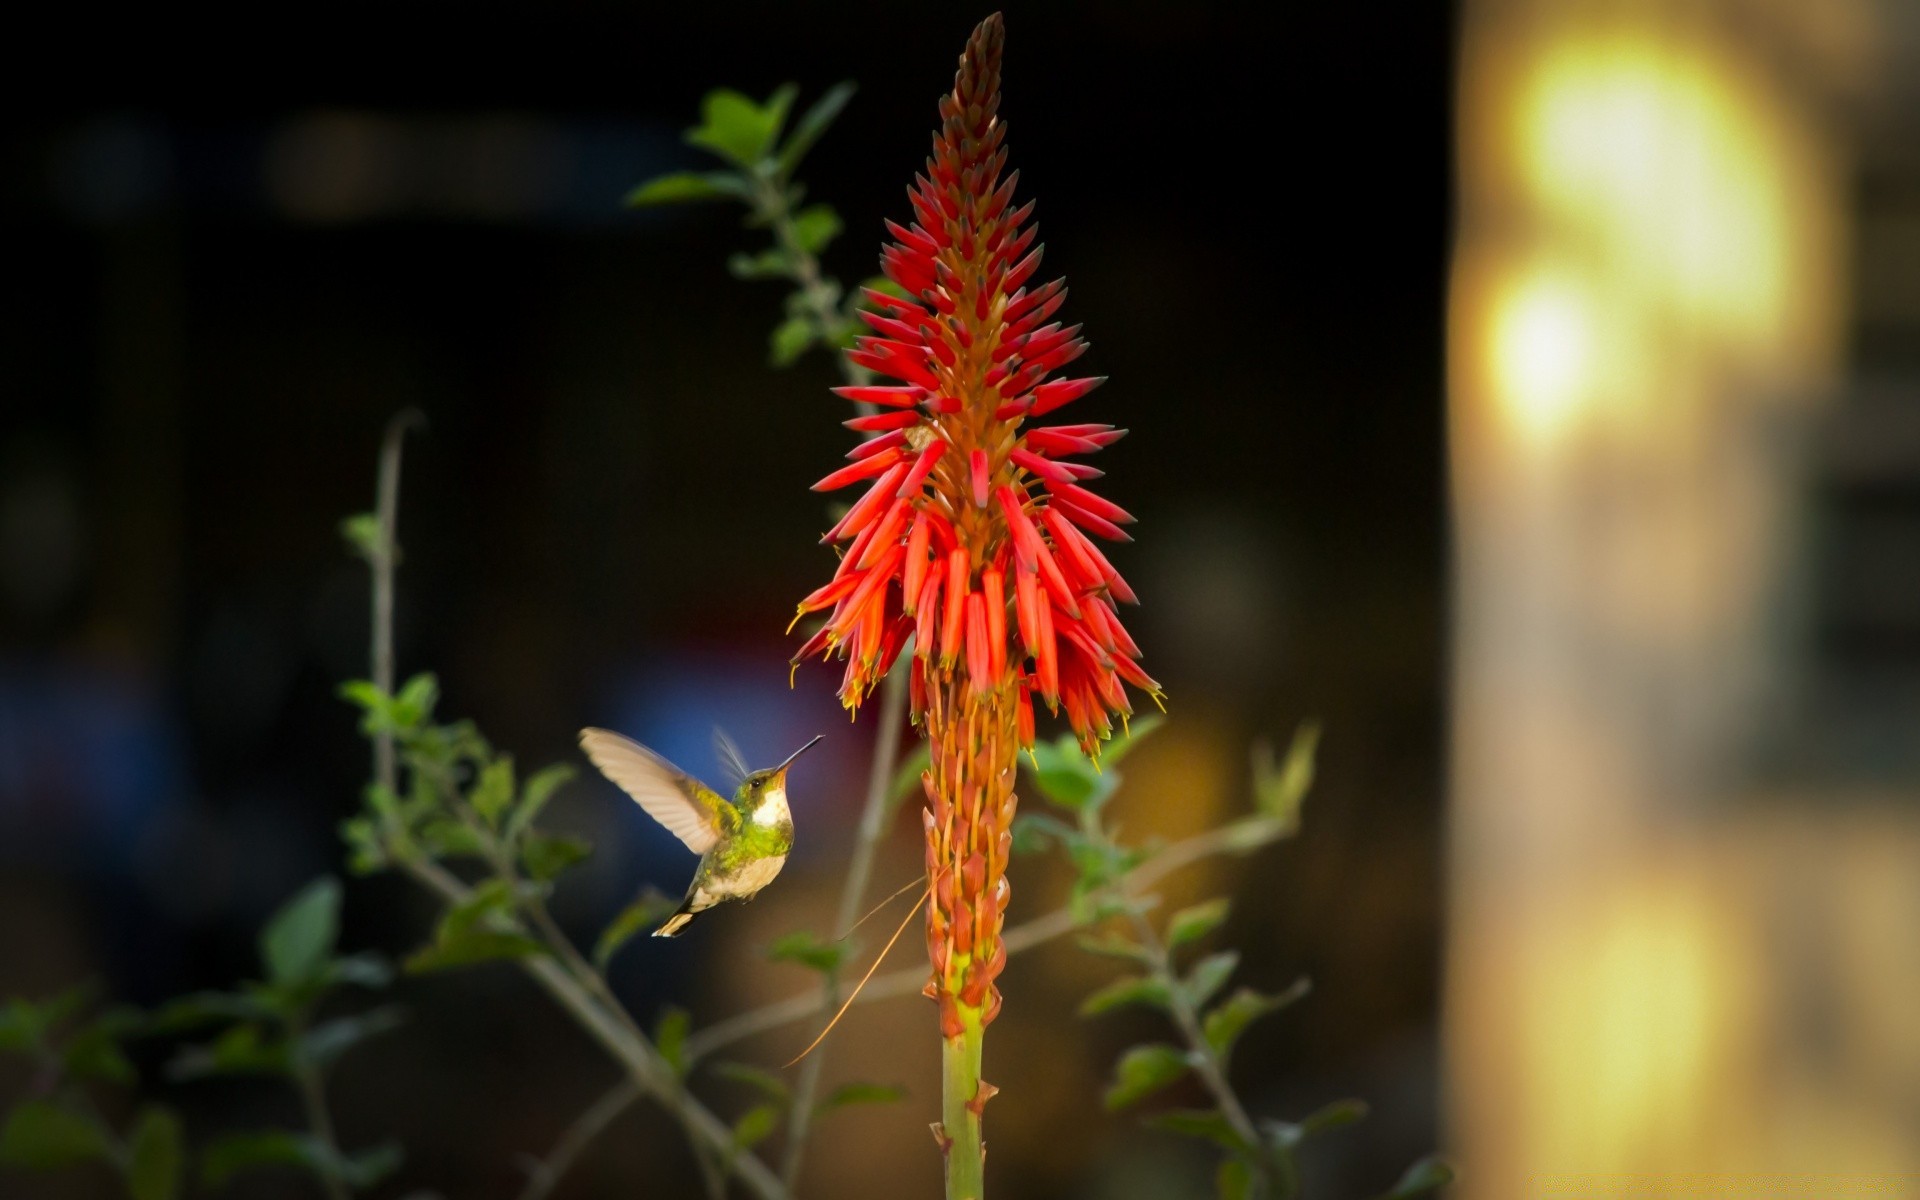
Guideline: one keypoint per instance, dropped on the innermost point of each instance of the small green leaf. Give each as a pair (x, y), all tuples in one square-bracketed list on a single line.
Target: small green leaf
[(42, 1135), (754, 1125), (1427, 1175), (860, 1093), (1065, 776), (1208, 976), (94, 1052), (546, 855), (232, 1153), (241, 1050), (534, 794), (765, 1082), (1192, 924), (670, 1037), (300, 937), (327, 1041), (1142, 1071), (446, 837), (1132, 989), (367, 970), (737, 129), (1033, 832), (685, 187), (492, 792), (1114, 945), (1118, 748), (1207, 1125), (815, 226), (802, 946), (1224, 1025), (813, 123), (362, 532), (1234, 1180), (472, 947), (906, 778), (771, 263), (154, 1155), (200, 1009), (790, 339), (635, 918), (1279, 792), (416, 700), (1326, 1119)]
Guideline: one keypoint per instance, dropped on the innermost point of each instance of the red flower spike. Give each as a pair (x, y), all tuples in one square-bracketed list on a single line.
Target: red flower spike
[(943, 545)]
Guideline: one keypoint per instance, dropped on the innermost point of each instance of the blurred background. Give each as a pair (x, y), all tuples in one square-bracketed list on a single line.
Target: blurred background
[(1525, 390)]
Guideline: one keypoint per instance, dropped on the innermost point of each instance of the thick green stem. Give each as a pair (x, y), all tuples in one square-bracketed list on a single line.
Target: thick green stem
[(960, 1107)]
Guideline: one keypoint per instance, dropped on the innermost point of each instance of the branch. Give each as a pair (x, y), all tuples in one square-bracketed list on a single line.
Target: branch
[(546, 1173), (585, 997), (1242, 836)]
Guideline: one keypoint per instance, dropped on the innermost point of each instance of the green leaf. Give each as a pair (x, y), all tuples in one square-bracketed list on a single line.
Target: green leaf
[(232, 1153), (1114, 945), (299, 938), (1338, 1115), (790, 339), (1208, 976), (1142, 1071), (242, 1050), (1224, 1025), (1132, 989), (367, 970), (1207, 1125), (686, 187), (154, 1155), (754, 1125), (472, 947), (802, 946), (737, 129), (446, 837), (906, 777), (546, 855), (534, 794), (1234, 1180), (813, 123), (1118, 748), (765, 1082), (416, 700), (1279, 792), (860, 1093), (670, 1038), (207, 1008), (492, 792), (327, 1041), (771, 263), (362, 532), (1036, 831), (42, 1135), (1427, 1175), (1193, 923), (94, 1052), (643, 913), (815, 226), (1065, 776)]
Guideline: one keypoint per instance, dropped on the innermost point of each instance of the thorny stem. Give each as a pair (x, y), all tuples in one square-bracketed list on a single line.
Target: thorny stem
[(313, 1099), (960, 1105), (1244, 835), (584, 995), (546, 1173)]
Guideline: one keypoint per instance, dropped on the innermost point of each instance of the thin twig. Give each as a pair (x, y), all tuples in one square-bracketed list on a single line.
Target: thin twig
[(545, 1174), (313, 1099), (1240, 837), (591, 1006)]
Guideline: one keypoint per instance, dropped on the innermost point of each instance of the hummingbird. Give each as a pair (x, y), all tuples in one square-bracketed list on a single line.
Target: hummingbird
[(742, 842)]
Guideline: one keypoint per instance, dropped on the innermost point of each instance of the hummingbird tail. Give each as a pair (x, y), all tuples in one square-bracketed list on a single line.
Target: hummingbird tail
[(675, 923)]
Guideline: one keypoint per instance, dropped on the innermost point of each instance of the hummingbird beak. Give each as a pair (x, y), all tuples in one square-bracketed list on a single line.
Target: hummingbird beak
[(782, 768)]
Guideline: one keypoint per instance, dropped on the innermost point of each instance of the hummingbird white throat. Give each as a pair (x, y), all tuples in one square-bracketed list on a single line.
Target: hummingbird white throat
[(742, 842)]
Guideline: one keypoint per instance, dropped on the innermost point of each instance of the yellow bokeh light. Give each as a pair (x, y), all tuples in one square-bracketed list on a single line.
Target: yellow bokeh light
[(1542, 346)]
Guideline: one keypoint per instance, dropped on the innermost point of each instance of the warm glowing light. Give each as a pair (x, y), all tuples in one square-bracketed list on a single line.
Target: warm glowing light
[(1542, 348)]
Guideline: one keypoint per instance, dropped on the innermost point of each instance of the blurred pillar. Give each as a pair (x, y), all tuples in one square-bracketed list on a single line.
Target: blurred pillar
[(1646, 311)]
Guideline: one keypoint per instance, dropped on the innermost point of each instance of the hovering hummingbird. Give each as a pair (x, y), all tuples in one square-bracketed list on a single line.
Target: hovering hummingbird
[(742, 843)]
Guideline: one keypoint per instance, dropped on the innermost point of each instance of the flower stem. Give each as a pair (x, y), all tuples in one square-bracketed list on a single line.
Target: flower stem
[(960, 1106)]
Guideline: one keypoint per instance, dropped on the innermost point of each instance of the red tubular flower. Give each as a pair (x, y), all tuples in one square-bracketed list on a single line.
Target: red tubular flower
[(969, 500)]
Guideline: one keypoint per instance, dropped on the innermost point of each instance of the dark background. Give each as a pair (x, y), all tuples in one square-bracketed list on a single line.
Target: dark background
[(220, 285)]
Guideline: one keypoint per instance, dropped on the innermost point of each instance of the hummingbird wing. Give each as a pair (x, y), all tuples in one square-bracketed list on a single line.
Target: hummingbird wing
[(730, 757), (690, 810)]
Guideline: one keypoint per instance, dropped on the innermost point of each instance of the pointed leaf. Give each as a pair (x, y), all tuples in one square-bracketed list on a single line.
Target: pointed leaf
[(1208, 976), (534, 794), (362, 532), (1118, 748), (299, 938), (327, 1041), (771, 263), (1279, 793), (670, 1038), (1234, 1180), (154, 1155), (686, 187), (492, 792), (1142, 1071), (42, 1135), (815, 226), (804, 947), (736, 128), (813, 123), (754, 1125), (860, 1093), (1131, 989), (1207, 1125), (643, 914), (471, 947), (1192, 924), (1224, 1025), (765, 1082), (1427, 1175), (790, 340), (241, 1050), (546, 855), (1115, 945)]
